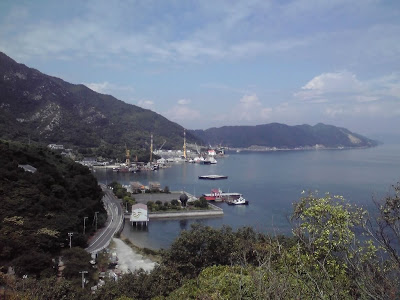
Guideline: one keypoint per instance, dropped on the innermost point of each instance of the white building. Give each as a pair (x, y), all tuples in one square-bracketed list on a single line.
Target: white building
[(139, 214), (56, 147)]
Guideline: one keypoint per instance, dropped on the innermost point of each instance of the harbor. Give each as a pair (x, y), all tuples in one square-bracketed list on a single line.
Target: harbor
[(270, 181)]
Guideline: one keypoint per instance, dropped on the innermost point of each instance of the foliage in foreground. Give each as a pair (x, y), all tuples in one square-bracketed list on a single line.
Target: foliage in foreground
[(38, 210), (337, 251)]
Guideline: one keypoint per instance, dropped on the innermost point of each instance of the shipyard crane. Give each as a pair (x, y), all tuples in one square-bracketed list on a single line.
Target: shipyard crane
[(162, 145), (151, 148), (184, 144), (128, 155)]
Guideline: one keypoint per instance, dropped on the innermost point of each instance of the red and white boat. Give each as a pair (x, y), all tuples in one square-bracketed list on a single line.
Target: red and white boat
[(218, 195)]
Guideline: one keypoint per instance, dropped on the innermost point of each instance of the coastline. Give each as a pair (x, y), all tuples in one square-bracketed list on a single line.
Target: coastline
[(131, 258), (306, 148)]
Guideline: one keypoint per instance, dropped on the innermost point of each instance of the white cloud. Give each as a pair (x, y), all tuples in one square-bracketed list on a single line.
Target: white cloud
[(184, 101), (148, 104), (250, 100), (334, 82), (182, 113), (364, 98), (101, 87), (249, 110), (228, 31), (342, 84), (109, 88), (342, 95)]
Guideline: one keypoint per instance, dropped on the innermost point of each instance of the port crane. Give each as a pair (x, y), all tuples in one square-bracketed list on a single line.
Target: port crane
[(162, 145)]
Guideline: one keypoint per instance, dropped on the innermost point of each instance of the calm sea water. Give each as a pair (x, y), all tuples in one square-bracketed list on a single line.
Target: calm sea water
[(272, 182)]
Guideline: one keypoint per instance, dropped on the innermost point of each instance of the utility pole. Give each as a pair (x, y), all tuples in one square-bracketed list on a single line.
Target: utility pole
[(83, 278), (23, 282), (84, 225), (70, 234), (95, 217)]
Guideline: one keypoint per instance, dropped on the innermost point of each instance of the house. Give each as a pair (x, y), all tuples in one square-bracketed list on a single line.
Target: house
[(137, 187), (154, 186), (28, 168), (56, 147), (89, 161), (139, 214)]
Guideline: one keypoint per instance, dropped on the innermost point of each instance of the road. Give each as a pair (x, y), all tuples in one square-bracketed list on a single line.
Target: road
[(115, 214)]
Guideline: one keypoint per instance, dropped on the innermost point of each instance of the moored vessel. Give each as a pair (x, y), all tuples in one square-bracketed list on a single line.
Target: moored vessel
[(238, 201)]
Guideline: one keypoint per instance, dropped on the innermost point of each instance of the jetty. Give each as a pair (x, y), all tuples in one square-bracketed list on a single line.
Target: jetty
[(143, 198)]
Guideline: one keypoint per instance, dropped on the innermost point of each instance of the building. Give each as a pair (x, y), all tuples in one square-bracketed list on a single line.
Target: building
[(28, 168), (154, 186), (56, 147), (137, 187), (89, 161), (139, 214)]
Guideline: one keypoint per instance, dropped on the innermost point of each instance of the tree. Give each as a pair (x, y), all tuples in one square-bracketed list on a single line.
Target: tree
[(385, 228), (184, 199), (76, 260), (329, 258), (202, 203)]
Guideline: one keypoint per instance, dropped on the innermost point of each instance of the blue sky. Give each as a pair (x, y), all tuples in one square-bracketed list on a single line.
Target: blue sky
[(207, 64)]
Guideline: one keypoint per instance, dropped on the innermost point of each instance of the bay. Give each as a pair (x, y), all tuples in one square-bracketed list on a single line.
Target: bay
[(272, 182)]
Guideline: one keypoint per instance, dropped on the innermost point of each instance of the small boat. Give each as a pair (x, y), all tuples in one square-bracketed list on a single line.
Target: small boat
[(213, 177), (238, 201)]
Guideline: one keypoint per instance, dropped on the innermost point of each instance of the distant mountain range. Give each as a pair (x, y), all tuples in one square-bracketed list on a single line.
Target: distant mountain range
[(47, 109), (283, 136)]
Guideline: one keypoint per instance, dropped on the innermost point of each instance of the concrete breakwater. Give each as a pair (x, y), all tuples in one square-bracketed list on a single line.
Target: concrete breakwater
[(214, 211)]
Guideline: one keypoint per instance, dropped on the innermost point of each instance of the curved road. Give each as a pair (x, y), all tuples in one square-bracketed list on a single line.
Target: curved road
[(115, 218)]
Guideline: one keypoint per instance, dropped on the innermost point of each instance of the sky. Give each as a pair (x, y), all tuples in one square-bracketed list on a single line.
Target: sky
[(208, 64)]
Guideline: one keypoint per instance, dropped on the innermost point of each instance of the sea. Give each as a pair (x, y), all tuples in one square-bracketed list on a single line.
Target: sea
[(271, 182)]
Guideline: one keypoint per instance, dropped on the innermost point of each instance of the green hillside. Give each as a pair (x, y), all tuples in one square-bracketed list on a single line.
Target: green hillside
[(38, 209), (46, 109), (283, 136)]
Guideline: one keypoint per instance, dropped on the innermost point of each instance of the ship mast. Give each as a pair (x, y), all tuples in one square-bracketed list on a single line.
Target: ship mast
[(128, 154), (151, 148), (184, 144)]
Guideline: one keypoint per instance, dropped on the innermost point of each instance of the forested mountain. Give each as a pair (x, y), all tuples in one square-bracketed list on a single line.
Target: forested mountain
[(46, 109), (283, 136), (43, 197)]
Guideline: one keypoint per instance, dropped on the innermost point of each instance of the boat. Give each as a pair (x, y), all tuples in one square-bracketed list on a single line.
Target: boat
[(213, 177), (238, 201), (126, 170), (212, 160), (215, 195), (218, 195)]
